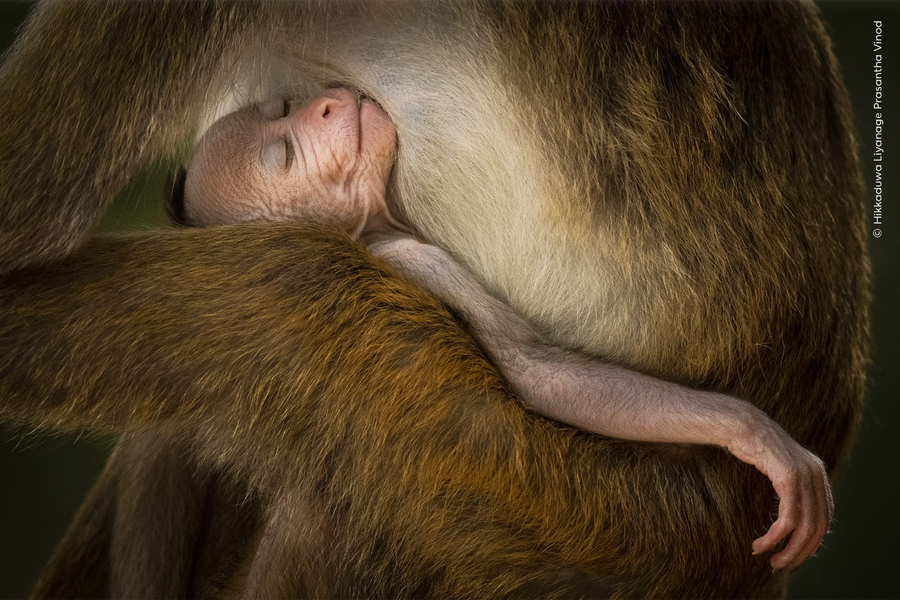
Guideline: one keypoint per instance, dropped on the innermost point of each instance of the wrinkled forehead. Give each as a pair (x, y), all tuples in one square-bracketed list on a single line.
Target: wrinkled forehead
[(230, 142)]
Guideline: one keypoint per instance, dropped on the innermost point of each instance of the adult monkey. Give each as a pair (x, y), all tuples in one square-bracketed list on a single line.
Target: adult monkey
[(709, 179)]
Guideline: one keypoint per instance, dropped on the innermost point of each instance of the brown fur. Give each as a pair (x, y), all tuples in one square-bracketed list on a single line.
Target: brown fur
[(699, 155)]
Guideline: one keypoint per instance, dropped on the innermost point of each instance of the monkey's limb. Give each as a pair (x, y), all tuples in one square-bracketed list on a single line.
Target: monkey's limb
[(120, 114), (135, 534), (161, 498), (298, 363), (155, 525)]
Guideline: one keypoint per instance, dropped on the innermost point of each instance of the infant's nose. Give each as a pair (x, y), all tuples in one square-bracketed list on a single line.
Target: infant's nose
[(333, 103)]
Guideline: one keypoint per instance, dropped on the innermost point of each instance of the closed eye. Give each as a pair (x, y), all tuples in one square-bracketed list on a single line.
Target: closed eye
[(288, 146), (288, 153)]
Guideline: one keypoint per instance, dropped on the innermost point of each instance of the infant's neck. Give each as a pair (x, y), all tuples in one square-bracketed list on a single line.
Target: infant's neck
[(380, 222), (382, 227)]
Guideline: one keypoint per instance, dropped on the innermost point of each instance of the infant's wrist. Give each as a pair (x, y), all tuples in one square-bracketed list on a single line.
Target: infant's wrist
[(745, 429)]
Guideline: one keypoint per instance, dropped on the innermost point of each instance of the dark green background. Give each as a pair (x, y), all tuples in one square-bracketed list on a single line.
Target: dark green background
[(43, 479)]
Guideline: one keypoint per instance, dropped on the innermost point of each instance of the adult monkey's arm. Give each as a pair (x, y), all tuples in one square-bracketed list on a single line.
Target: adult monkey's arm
[(194, 325), (289, 357), (72, 131)]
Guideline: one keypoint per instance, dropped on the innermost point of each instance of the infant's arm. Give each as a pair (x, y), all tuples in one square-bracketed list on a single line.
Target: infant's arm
[(617, 402)]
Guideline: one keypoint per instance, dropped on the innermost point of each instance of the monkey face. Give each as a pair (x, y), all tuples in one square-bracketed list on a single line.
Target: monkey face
[(326, 160)]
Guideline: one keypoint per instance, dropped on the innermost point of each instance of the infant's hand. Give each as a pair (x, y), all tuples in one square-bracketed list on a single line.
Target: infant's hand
[(801, 482)]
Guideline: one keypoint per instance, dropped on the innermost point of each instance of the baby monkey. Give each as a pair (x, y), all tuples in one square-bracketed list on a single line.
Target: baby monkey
[(329, 160)]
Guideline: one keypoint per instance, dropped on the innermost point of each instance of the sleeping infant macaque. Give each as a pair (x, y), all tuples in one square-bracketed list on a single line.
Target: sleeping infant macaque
[(329, 159)]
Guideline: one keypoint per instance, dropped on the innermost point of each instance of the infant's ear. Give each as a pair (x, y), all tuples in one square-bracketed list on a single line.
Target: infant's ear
[(174, 199)]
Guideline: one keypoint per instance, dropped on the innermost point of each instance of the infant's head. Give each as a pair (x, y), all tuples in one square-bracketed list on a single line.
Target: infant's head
[(327, 160)]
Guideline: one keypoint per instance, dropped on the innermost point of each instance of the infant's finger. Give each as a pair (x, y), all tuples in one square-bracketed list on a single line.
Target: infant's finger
[(810, 526), (822, 518), (799, 540), (768, 540), (788, 516), (798, 510)]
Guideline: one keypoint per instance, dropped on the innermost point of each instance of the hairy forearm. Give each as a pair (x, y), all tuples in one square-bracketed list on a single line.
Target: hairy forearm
[(618, 402), (581, 391), (248, 334)]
